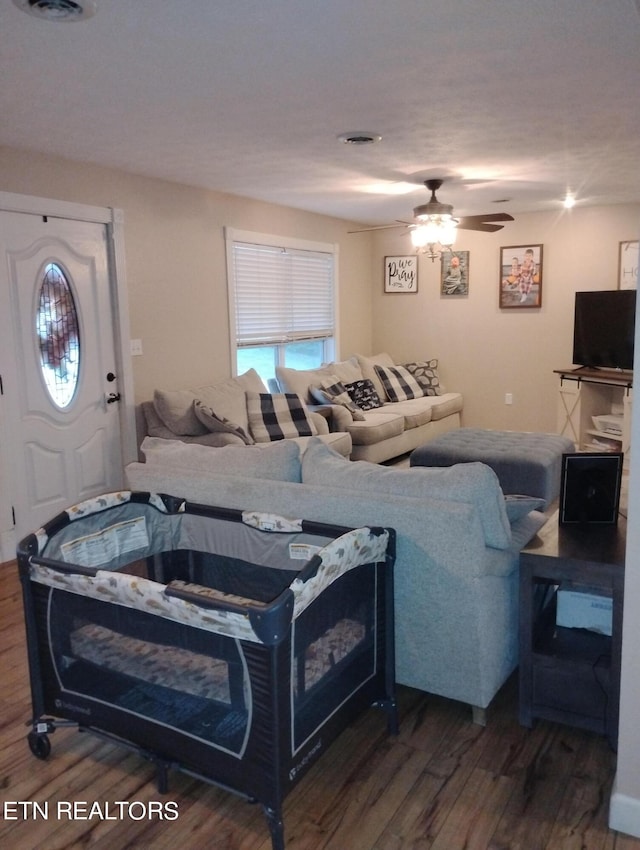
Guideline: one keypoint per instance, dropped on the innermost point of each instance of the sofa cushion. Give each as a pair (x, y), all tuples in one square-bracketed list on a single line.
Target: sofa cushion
[(368, 368), (378, 425), (299, 380), (218, 424), (426, 374), (443, 405), (471, 483), (227, 398), (175, 407), (416, 411), (340, 442), (399, 384), (153, 426), (519, 506), (345, 370), (278, 461), (363, 394), (278, 416)]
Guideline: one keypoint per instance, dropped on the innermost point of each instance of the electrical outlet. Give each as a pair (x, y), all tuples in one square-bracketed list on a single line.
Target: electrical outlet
[(508, 398), (136, 347)]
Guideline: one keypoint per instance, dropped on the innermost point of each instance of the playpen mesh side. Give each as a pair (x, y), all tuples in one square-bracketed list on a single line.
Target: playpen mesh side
[(334, 651), (178, 677), (181, 677)]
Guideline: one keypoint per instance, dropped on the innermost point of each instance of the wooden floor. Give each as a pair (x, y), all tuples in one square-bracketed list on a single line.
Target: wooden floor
[(442, 784)]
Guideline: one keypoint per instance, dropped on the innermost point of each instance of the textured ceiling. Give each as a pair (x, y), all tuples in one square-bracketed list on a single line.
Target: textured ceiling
[(508, 100)]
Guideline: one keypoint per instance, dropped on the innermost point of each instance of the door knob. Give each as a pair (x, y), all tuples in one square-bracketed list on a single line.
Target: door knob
[(110, 377), (113, 397)]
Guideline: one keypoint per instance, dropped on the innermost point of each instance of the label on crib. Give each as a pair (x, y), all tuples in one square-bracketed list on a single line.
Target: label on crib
[(103, 547), (302, 551)]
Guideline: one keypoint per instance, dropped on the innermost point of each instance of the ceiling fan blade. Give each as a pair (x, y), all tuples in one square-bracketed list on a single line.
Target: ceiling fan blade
[(481, 222), (490, 217), (380, 227), (480, 227)]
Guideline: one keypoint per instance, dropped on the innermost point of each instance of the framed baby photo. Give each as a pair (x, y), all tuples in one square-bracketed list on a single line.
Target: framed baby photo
[(520, 276), (401, 274), (454, 273)]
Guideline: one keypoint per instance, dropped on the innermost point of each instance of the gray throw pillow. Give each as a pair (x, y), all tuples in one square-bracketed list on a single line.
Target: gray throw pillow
[(333, 391), (218, 424), (426, 374)]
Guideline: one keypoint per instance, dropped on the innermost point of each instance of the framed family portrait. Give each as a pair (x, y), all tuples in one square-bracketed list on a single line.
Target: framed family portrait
[(401, 274), (628, 265), (521, 276), (454, 273)]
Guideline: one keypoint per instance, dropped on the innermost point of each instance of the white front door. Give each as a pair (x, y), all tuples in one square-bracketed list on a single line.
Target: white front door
[(60, 429)]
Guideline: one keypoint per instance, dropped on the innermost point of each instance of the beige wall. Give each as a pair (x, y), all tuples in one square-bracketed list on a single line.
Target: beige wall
[(176, 264), (485, 352)]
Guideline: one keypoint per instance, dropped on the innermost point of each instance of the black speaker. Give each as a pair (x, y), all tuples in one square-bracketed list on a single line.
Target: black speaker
[(590, 488)]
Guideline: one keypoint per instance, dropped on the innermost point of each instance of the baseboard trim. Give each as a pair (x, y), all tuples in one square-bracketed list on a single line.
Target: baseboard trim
[(7, 545), (624, 813)]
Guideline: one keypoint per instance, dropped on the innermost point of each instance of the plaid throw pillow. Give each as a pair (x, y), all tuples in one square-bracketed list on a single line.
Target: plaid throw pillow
[(399, 384), (426, 374), (278, 416)]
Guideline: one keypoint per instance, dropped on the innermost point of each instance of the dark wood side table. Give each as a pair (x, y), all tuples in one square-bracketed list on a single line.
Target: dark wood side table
[(571, 675)]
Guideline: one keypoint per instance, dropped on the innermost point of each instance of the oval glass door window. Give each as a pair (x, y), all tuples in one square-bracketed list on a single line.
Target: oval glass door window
[(58, 334)]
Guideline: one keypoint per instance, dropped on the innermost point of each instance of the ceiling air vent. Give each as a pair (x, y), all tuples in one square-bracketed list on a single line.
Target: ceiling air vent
[(65, 11), (360, 137)]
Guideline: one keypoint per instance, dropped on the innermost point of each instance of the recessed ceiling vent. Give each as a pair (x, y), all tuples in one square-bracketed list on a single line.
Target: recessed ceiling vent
[(64, 11), (360, 137)]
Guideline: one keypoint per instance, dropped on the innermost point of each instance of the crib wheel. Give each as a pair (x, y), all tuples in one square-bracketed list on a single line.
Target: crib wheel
[(40, 745)]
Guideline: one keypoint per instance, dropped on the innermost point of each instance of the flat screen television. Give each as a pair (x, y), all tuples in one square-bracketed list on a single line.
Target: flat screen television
[(604, 328)]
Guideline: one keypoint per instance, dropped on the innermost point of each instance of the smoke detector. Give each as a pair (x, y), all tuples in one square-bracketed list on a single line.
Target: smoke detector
[(64, 11)]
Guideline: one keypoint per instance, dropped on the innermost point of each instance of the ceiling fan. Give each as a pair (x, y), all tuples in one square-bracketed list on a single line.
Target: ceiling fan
[(435, 225)]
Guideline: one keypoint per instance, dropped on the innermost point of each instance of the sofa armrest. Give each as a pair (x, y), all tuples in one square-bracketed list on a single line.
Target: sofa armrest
[(340, 418), (319, 420)]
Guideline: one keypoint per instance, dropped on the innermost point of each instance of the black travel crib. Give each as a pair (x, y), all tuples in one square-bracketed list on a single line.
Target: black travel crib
[(232, 645)]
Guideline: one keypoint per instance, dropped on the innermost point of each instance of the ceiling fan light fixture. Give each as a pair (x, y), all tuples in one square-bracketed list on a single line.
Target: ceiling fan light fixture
[(434, 233)]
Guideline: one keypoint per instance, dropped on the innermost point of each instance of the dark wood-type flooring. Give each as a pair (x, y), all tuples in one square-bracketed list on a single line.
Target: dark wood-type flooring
[(442, 784)]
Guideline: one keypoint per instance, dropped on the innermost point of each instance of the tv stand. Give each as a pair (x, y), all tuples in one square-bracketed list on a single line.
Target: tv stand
[(586, 392)]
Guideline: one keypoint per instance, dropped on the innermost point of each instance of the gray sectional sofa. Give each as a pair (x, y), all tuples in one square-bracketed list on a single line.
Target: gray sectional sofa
[(225, 413), (458, 541), (395, 427)]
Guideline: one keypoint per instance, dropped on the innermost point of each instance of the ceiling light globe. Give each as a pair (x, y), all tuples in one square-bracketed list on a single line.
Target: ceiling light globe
[(448, 233), (419, 236)]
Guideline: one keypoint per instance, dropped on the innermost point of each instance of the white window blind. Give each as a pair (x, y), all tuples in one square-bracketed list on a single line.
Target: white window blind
[(281, 294)]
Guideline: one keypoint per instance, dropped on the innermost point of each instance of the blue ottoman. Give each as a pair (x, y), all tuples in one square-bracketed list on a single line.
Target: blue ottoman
[(528, 464)]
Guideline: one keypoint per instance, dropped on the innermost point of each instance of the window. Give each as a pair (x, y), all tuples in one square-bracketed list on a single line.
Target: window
[(281, 302), (58, 334)]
